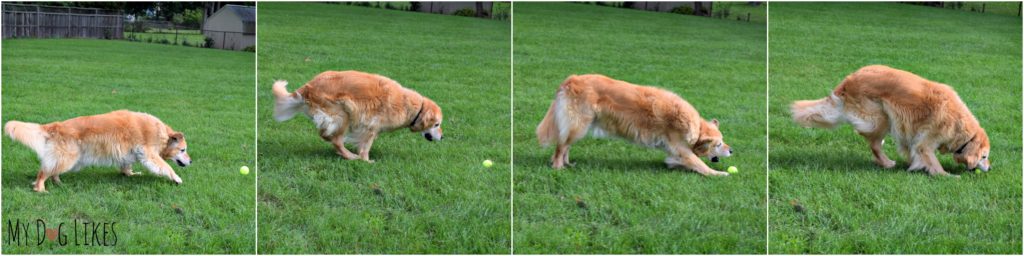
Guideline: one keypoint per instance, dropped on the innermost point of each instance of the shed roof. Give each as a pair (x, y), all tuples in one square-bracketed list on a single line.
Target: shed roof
[(246, 13)]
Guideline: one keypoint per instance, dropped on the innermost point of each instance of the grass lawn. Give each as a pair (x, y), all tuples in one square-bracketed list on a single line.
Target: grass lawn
[(434, 197), (852, 206), (634, 204), (205, 94)]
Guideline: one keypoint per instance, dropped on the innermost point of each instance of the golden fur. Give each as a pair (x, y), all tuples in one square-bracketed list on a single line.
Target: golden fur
[(644, 115), (118, 138), (921, 115), (352, 105)]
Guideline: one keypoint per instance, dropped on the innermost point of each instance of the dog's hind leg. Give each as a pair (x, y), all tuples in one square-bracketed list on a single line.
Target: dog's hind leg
[(126, 169), (40, 184), (876, 140), (365, 144), (339, 148), (575, 130), (53, 169)]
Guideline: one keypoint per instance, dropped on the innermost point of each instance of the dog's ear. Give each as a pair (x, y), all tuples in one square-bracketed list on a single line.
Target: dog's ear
[(175, 138), (714, 121)]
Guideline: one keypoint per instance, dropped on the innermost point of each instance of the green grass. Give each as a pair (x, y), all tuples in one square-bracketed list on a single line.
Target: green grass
[(206, 94), (634, 203), (435, 196), (851, 205)]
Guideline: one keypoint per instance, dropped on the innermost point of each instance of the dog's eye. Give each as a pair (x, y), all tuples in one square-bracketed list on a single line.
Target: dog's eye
[(437, 125), (984, 157), (183, 150)]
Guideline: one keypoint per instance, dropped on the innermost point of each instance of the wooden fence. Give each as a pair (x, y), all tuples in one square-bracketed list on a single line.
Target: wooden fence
[(34, 21)]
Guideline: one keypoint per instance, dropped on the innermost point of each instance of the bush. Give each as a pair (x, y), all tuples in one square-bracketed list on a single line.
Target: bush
[(208, 42), (185, 42), (251, 48), (465, 13), (683, 10), (414, 6), (721, 13), (164, 41)]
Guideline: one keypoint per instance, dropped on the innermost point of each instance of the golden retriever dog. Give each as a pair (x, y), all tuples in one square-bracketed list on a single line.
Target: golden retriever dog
[(356, 106), (921, 115), (647, 116), (120, 138)]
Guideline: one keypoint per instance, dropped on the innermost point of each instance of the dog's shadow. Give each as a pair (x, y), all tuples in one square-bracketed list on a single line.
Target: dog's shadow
[(621, 165), (81, 180), (844, 161)]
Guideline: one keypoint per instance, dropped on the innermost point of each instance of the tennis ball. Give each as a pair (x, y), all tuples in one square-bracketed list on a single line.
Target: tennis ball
[(978, 171), (244, 170), (732, 169), (488, 163)]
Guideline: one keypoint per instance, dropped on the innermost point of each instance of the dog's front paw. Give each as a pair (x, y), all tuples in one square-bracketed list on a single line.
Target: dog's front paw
[(176, 179), (716, 173), (369, 161), (886, 164)]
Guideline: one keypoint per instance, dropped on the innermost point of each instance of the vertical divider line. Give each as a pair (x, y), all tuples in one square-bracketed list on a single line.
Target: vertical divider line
[(511, 130), (256, 136), (767, 125)]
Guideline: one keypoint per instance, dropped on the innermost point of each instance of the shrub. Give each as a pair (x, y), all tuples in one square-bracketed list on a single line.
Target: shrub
[(414, 6), (164, 41), (251, 48), (683, 10), (185, 42), (208, 42), (465, 12)]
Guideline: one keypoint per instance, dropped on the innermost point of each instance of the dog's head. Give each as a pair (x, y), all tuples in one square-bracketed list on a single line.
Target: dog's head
[(710, 143), (974, 153), (176, 149), (428, 121)]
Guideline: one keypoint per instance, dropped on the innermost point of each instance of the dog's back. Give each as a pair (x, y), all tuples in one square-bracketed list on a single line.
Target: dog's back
[(104, 139), (640, 113)]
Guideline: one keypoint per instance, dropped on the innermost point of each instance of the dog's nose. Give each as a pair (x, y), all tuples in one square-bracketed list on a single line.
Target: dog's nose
[(730, 151)]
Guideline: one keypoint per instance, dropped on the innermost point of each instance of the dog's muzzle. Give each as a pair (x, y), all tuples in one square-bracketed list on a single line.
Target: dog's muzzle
[(431, 137), (180, 163)]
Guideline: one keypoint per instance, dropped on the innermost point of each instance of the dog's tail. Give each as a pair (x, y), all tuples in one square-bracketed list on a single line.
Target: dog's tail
[(821, 113), (547, 130), (286, 104), (30, 134)]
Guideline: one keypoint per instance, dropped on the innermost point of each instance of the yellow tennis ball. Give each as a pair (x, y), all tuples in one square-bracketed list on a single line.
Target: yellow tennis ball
[(978, 171), (733, 169), (244, 170), (488, 163)]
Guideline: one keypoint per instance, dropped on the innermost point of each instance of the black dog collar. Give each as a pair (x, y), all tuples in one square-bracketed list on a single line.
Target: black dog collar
[(414, 119), (961, 149)]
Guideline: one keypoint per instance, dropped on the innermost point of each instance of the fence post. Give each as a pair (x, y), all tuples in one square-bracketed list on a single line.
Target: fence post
[(37, 22), (69, 24)]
